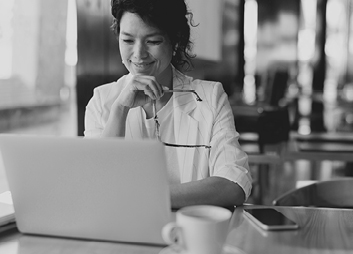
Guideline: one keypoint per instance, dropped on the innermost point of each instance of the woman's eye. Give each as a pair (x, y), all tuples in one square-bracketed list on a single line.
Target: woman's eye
[(157, 42), (128, 41)]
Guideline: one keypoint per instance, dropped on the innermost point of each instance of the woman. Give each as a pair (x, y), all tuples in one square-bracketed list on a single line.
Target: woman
[(154, 40)]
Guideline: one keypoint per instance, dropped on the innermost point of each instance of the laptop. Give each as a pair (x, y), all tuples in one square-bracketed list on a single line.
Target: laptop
[(7, 212), (101, 189)]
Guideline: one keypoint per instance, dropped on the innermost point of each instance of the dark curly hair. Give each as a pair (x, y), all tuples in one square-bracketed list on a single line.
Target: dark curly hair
[(170, 16)]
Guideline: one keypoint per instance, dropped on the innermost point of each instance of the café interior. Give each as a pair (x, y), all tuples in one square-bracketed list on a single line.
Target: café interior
[(286, 66)]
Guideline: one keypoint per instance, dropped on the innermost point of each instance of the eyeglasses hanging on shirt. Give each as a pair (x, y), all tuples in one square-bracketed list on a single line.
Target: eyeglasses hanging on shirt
[(155, 116)]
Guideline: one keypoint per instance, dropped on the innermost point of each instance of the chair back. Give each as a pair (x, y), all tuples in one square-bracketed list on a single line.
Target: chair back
[(333, 193), (273, 125)]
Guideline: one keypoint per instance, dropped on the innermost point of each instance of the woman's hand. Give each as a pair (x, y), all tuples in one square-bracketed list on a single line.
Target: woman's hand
[(139, 90)]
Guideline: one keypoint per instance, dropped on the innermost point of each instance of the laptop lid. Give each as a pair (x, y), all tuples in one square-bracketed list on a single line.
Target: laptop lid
[(7, 212), (104, 189)]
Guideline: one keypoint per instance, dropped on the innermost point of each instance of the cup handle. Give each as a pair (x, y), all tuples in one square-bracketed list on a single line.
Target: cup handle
[(171, 234)]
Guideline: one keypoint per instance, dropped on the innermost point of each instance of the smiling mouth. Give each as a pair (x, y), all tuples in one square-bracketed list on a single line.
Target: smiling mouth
[(142, 65)]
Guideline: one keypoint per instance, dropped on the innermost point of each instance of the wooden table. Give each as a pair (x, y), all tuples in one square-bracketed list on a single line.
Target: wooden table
[(322, 230)]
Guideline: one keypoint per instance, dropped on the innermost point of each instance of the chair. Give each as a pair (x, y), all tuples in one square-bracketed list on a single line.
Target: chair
[(333, 194), (273, 126)]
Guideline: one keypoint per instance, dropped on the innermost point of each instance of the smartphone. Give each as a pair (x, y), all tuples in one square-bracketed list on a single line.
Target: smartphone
[(269, 219)]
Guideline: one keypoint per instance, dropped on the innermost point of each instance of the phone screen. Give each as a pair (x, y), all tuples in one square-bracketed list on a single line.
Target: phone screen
[(270, 219)]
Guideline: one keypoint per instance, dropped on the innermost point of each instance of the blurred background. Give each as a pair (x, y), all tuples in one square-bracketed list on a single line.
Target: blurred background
[(295, 53), (287, 66)]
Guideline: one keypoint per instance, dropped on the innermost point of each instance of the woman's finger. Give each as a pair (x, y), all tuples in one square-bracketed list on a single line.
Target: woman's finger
[(149, 92), (148, 83)]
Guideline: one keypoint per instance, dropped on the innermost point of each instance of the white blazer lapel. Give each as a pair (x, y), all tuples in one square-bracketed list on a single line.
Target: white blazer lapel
[(186, 130)]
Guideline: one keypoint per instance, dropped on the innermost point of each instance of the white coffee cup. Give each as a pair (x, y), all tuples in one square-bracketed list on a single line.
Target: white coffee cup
[(199, 229)]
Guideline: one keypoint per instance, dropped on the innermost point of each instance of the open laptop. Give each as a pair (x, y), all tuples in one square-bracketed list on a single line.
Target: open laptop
[(7, 212), (102, 189)]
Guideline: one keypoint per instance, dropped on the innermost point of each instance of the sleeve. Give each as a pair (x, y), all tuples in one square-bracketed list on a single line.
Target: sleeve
[(227, 159), (93, 116)]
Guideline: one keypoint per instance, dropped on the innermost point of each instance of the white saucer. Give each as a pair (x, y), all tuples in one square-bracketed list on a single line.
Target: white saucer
[(170, 250), (227, 249)]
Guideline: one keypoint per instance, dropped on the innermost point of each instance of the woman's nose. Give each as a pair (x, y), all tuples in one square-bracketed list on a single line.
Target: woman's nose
[(140, 51)]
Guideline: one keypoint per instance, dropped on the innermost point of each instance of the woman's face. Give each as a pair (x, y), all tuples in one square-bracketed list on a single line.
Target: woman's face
[(144, 49)]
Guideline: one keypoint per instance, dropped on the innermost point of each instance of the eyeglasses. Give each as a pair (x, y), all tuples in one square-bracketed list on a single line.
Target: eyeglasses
[(158, 124), (184, 91)]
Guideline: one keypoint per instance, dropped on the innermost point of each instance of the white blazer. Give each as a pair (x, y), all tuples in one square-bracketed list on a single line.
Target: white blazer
[(209, 122)]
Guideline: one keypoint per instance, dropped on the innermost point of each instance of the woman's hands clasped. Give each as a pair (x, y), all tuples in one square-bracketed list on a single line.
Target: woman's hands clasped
[(139, 90)]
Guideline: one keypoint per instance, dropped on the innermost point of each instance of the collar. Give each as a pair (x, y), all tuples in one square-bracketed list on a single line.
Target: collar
[(185, 102)]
